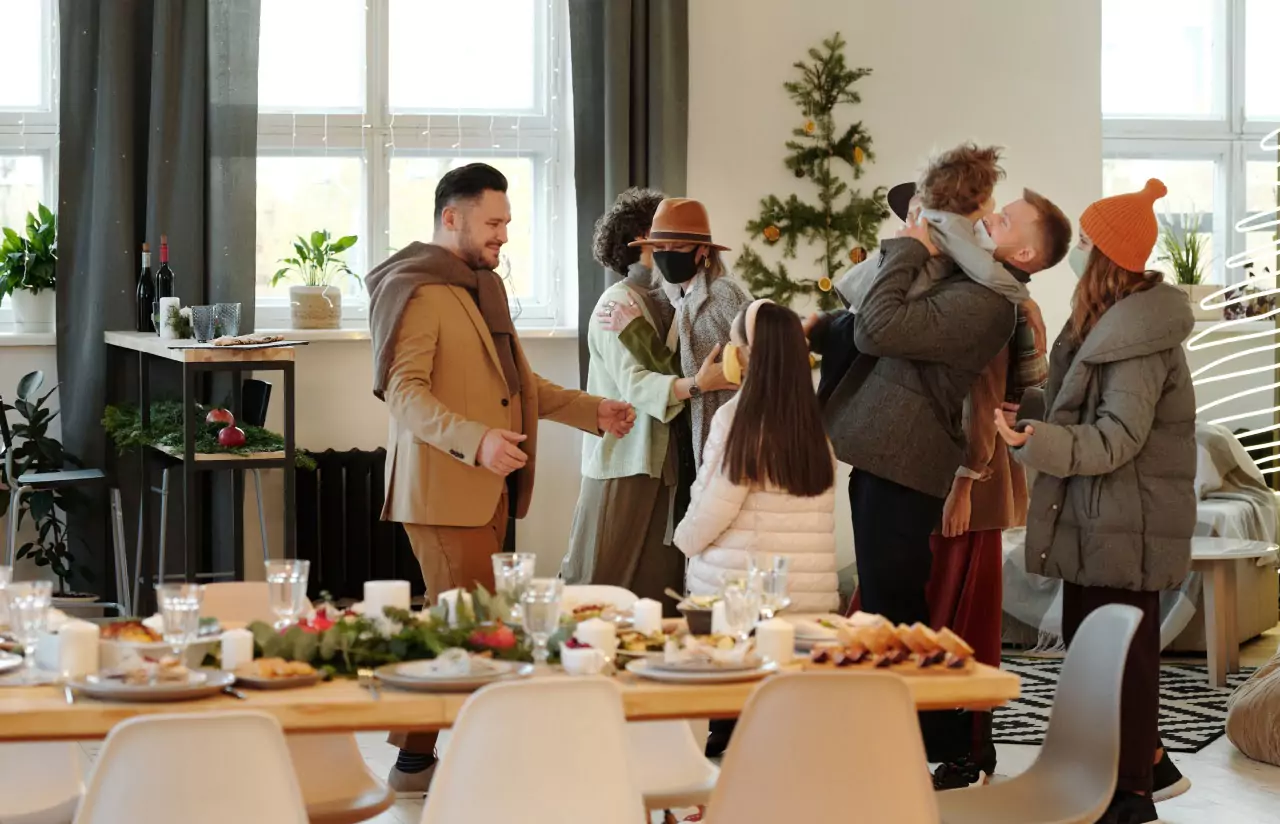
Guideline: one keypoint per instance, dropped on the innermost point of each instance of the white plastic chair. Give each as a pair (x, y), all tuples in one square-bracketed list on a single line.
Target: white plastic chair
[(207, 768), (826, 747), (1074, 776), (337, 786), (40, 783), (556, 748)]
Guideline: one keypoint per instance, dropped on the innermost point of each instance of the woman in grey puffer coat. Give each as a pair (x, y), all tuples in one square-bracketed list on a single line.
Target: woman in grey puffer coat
[(1112, 440)]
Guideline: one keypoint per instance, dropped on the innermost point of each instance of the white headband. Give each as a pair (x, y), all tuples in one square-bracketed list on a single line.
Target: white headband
[(750, 320)]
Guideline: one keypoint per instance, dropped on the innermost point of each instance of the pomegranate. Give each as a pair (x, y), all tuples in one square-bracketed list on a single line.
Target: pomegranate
[(231, 436), (222, 416)]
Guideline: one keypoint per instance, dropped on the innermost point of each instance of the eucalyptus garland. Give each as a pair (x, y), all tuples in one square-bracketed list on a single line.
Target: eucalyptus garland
[(124, 426)]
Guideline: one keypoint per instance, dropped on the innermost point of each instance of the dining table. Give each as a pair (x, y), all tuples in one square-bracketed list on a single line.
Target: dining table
[(48, 713)]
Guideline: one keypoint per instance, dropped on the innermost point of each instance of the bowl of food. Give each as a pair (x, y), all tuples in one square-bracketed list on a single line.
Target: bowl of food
[(696, 610), (578, 658), (126, 643)]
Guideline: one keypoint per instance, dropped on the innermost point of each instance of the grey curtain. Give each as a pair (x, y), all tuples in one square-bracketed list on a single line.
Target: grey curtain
[(630, 116), (158, 136)]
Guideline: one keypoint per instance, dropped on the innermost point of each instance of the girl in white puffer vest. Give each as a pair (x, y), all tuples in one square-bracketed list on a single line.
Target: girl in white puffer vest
[(767, 481)]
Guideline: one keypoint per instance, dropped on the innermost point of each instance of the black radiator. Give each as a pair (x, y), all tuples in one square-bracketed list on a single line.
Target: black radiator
[(339, 530)]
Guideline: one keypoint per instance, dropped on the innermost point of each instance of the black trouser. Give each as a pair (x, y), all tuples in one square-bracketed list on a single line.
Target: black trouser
[(1140, 689), (891, 528)]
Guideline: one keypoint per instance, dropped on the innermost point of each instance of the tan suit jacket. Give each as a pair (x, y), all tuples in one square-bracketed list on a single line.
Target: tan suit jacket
[(445, 389)]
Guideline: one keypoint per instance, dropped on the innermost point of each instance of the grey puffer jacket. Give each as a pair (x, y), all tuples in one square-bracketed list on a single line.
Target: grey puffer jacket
[(1114, 502)]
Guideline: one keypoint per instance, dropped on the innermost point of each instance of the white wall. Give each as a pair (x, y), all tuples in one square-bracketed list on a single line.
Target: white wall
[(1024, 75)]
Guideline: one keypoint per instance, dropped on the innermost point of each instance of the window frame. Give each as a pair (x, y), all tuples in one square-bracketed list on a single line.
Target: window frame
[(379, 135), (1230, 140)]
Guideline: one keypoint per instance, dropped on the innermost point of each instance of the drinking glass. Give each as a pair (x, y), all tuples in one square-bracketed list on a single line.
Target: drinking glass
[(180, 614), (774, 586), (512, 572), (202, 322), (28, 615), (742, 598), (287, 587), (6, 575), (540, 599), (226, 320)]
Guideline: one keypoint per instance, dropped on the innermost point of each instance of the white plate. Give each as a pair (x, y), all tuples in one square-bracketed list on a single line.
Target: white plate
[(9, 661), (642, 669), (750, 663), (210, 682), (412, 676)]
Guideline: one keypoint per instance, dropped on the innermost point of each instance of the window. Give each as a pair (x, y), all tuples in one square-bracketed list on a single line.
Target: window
[(1189, 102), (353, 138)]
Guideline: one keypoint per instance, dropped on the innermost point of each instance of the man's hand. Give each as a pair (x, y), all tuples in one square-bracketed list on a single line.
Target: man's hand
[(711, 374), (499, 452), (1014, 439), (616, 418), (958, 508), (1036, 321), (920, 231)]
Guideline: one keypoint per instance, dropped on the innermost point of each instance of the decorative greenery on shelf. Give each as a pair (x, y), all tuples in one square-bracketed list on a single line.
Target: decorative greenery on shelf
[(317, 261), (339, 642), (843, 224), (1182, 246), (124, 426), (179, 320), (29, 261), (35, 450)]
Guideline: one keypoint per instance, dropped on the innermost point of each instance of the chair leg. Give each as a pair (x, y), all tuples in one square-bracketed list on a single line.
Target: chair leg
[(164, 523), (262, 514), (125, 604), (11, 541)]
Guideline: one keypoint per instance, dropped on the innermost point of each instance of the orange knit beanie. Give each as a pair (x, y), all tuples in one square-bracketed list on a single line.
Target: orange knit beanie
[(1124, 226)]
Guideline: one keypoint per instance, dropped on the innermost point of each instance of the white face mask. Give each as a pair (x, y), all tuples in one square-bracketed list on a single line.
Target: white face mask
[(1078, 260), (983, 237)]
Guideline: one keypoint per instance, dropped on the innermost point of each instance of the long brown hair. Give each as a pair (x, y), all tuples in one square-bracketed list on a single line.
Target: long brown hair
[(1104, 284), (777, 436)]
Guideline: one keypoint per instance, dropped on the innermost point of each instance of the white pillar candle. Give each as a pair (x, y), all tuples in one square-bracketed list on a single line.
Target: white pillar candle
[(600, 634), (237, 648), (776, 640), (719, 622), (166, 331), (647, 616), (381, 594), (78, 648)]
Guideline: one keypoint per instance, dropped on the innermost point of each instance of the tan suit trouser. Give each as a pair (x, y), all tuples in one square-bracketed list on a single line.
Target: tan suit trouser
[(453, 557)]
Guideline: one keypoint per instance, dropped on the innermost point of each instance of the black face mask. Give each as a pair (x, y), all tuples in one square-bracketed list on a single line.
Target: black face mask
[(676, 267)]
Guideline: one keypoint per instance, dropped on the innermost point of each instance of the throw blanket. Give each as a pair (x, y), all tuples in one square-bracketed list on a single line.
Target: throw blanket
[(1224, 473), (394, 281)]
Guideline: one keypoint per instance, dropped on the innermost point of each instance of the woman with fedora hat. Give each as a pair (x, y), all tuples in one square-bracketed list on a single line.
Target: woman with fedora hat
[(622, 525)]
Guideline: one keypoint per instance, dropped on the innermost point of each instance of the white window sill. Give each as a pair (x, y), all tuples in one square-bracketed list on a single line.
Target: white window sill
[(9, 336)]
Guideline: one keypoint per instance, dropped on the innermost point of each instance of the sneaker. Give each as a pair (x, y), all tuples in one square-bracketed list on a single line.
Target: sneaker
[(957, 775), (1166, 781), (411, 785), (1129, 808)]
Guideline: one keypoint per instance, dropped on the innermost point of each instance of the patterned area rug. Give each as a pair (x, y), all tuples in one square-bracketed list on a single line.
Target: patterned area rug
[(1192, 713)]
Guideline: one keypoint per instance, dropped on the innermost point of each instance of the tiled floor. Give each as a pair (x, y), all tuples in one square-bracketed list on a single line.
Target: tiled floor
[(1227, 788)]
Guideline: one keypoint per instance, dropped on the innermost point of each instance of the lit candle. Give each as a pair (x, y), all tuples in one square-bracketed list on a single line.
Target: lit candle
[(78, 648), (719, 621), (237, 648), (379, 595), (647, 616), (776, 640), (598, 633)]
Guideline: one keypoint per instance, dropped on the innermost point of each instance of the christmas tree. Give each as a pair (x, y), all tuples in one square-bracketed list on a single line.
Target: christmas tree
[(843, 224)]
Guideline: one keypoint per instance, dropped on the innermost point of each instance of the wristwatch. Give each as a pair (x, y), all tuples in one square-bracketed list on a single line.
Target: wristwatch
[(694, 391)]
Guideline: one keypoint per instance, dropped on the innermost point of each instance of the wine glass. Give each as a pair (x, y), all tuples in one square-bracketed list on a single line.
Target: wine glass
[(512, 572), (540, 600), (28, 616), (180, 615), (774, 586), (742, 598), (6, 575), (287, 589)]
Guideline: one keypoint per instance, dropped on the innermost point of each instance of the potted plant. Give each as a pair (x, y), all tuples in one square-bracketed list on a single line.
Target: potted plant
[(29, 270), (1182, 246), (317, 261), (35, 450)]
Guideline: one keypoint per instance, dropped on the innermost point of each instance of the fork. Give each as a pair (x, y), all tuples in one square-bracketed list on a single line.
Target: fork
[(369, 681)]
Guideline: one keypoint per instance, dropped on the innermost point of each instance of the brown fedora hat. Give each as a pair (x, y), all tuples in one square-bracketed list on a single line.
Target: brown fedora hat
[(680, 220)]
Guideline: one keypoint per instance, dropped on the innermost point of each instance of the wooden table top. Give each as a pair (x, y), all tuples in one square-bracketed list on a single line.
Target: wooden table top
[(154, 345), (41, 713)]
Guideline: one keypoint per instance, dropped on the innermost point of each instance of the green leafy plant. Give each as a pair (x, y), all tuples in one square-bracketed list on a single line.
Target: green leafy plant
[(1182, 246), (29, 261), (124, 426), (35, 450), (318, 260)]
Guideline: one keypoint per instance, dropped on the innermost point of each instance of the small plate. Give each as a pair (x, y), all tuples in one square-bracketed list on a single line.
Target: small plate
[(413, 676), (256, 683), (210, 682), (9, 661), (750, 663), (643, 669)]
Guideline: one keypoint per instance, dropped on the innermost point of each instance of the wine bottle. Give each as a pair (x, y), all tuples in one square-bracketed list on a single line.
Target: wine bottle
[(164, 277), (146, 293)]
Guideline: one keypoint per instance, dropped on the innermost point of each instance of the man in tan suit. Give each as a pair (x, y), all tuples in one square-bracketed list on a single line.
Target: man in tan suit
[(464, 402)]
